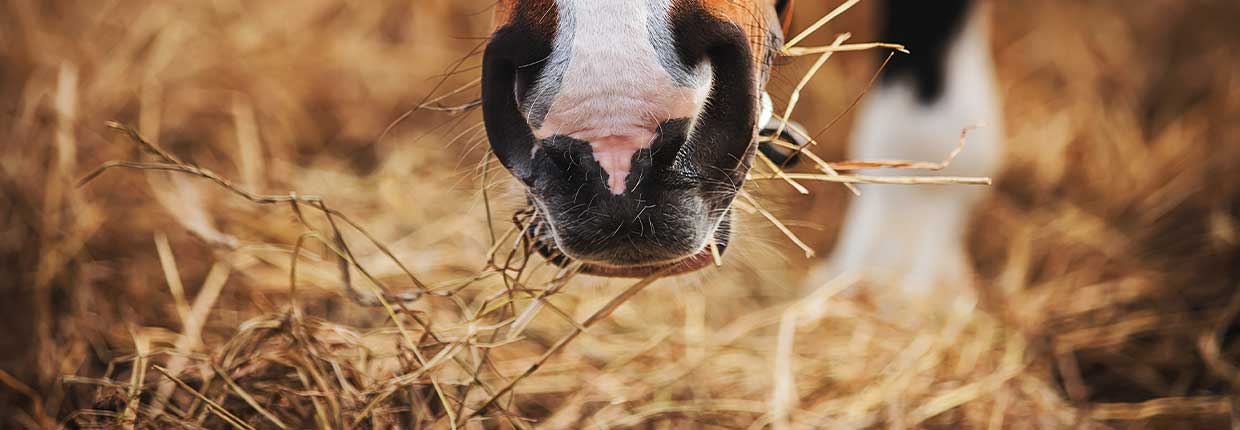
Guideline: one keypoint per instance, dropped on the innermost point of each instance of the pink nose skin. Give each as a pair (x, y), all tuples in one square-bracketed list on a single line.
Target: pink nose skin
[(615, 155), (617, 125)]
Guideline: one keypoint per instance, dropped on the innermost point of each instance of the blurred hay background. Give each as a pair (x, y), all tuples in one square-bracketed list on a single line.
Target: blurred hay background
[(1109, 254)]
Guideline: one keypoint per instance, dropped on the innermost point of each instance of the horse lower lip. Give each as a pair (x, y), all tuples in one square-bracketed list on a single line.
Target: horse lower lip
[(688, 264), (685, 265)]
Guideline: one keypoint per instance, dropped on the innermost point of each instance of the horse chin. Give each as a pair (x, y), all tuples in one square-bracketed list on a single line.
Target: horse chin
[(705, 257)]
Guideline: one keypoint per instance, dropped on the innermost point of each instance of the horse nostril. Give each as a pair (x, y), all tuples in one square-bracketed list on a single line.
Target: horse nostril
[(521, 86)]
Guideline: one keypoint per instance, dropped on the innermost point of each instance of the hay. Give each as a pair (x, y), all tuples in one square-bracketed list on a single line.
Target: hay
[(185, 299)]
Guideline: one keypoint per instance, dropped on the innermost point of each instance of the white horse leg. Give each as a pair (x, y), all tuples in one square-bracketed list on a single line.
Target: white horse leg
[(912, 237)]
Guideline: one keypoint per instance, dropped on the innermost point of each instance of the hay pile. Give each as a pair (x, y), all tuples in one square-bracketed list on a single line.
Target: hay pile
[(152, 299)]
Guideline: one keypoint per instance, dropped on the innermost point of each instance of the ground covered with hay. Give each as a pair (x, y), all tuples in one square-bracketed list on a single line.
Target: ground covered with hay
[(209, 296)]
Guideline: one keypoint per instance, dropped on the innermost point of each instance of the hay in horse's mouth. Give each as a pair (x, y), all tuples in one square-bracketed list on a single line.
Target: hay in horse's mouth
[(703, 258)]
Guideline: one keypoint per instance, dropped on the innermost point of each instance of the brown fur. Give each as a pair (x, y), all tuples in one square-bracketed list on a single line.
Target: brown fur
[(542, 14)]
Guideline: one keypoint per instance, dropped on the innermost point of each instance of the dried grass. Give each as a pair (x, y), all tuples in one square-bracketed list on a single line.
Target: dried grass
[(1109, 254)]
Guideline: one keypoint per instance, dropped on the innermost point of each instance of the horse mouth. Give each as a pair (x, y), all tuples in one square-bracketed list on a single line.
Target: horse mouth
[(707, 256)]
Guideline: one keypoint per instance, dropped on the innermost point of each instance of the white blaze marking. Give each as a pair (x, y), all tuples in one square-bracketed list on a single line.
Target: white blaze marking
[(615, 92)]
